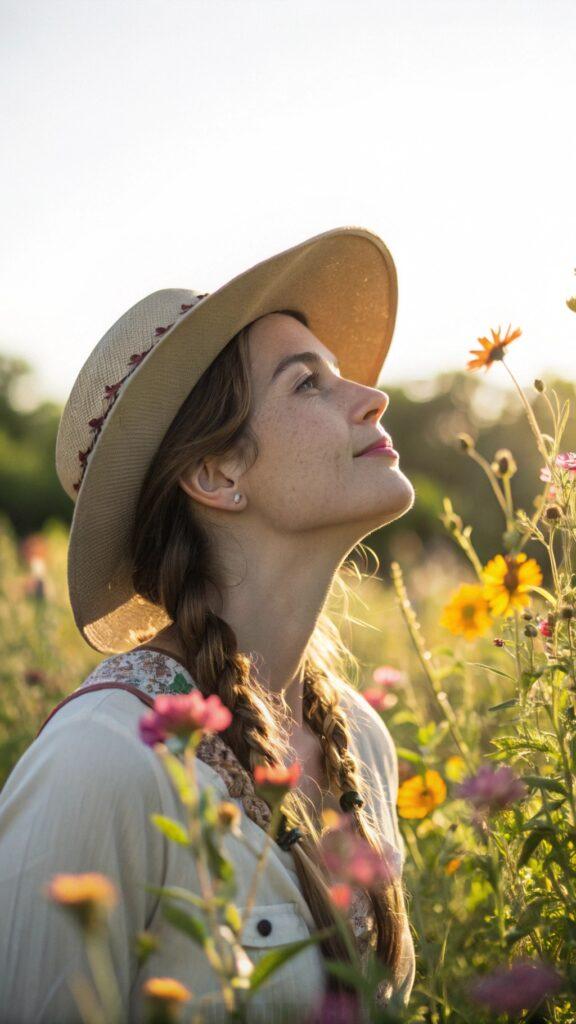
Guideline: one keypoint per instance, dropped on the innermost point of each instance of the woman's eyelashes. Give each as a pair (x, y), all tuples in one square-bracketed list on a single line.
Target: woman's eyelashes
[(312, 377)]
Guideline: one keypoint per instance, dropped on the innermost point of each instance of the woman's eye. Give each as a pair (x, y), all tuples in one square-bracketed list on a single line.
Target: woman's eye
[(312, 377)]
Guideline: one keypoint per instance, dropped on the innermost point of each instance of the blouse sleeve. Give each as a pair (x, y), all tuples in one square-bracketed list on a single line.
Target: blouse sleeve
[(79, 800)]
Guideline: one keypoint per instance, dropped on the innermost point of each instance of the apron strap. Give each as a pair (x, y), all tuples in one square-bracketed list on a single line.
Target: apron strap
[(144, 697)]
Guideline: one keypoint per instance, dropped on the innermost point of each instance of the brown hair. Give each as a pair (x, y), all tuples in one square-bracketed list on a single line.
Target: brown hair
[(174, 566)]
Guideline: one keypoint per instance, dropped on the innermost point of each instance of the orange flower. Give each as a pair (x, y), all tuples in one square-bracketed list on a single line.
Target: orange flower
[(88, 896), (453, 865), (467, 612), (167, 989), (273, 781), (491, 350), (508, 578), (341, 895), (418, 796)]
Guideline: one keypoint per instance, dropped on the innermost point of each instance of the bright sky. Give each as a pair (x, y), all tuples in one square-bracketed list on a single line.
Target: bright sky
[(158, 143)]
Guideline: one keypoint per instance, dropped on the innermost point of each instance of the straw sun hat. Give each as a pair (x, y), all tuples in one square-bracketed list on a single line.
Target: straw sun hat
[(135, 379)]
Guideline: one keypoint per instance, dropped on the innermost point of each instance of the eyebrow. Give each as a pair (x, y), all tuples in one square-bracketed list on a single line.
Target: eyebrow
[(302, 357)]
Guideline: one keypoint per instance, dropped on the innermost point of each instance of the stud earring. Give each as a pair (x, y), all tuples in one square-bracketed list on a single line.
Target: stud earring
[(237, 497)]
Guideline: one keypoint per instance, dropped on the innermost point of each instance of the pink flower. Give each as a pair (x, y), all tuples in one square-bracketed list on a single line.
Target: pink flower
[(379, 699), (567, 461), (544, 628), (336, 1008), (341, 895), (386, 675), (181, 714), (491, 790), (350, 859), (518, 987), (273, 781)]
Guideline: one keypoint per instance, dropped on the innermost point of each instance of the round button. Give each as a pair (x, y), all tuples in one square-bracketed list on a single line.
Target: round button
[(264, 926)]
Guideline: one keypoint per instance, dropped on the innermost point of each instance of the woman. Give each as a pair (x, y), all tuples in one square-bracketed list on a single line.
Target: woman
[(212, 445)]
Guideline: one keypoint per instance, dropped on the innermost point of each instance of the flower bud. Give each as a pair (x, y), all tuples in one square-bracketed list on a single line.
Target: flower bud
[(530, 630), (552, 513), (466, 442), (539, 385), (566, 612), (527, 616), (504, 463), (498, 641)]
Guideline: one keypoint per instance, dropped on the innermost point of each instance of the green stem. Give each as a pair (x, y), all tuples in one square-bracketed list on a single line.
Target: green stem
[(104, 976), (531, 418), (260, 863)]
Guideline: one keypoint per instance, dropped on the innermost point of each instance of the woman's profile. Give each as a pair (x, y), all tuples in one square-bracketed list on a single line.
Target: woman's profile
[(213, 447)]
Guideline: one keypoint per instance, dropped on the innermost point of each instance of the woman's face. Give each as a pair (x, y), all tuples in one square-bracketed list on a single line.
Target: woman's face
[(310, 424)]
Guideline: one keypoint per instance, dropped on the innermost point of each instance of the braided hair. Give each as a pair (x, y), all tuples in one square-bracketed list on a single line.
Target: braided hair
[(173, 565)]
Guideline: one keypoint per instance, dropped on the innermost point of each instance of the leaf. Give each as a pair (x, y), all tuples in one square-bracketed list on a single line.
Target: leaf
[(232, 917), (176, 893), (173, 830), (505, 704), (180, 779), (219, 865), (185, 922), (180, 684), (273, 960), (543, 782), (490, 668), (409, 755), (528, 920), (531, 843)]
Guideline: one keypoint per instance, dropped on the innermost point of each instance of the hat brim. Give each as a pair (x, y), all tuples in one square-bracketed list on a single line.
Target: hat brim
[(343, 280)]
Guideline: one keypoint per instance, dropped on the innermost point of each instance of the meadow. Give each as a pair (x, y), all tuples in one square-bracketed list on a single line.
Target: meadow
[(469, 656)]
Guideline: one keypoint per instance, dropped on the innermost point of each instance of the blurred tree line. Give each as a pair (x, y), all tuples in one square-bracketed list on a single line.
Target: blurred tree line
[(424, 419)]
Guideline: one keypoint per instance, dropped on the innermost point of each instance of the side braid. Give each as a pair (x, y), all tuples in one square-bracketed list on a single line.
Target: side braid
[(327, 719)]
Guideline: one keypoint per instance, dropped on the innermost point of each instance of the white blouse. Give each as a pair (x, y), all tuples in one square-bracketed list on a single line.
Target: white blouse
[(80, 799)]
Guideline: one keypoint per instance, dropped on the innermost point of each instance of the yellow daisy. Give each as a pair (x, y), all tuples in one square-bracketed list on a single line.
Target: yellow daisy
[(418, 796), (508, 578), (467, 612)]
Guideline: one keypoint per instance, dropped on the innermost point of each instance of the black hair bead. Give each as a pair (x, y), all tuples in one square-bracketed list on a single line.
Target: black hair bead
[(349, 799), (287, 839)]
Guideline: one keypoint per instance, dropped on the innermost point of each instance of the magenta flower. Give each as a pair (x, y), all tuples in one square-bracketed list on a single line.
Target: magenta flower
[(544, 628), (350, 859), (386, 675), (181, 714), (491, 790), (567, 461), (518, 987), (336, 1008), (379, 699)]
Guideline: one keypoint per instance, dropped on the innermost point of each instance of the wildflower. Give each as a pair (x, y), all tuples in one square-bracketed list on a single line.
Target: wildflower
[(33, 550), (504, 464), (467, 612), (492, 789), (544, 628), (491, 350), (228, 817), (498, 641), (181, 714), (552, 513), (466, 442), (34, 677), (507, 579), (341, 895), (379, 699), (166, 992), (336, 1008), (453, 865), (418, 796), (519, 987), (455, 768), (567, 461), (87, 896), (352, 861), (386, 675), (274, 781)]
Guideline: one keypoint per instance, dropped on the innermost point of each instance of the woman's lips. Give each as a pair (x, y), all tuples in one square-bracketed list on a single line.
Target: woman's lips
[(383, 449)]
